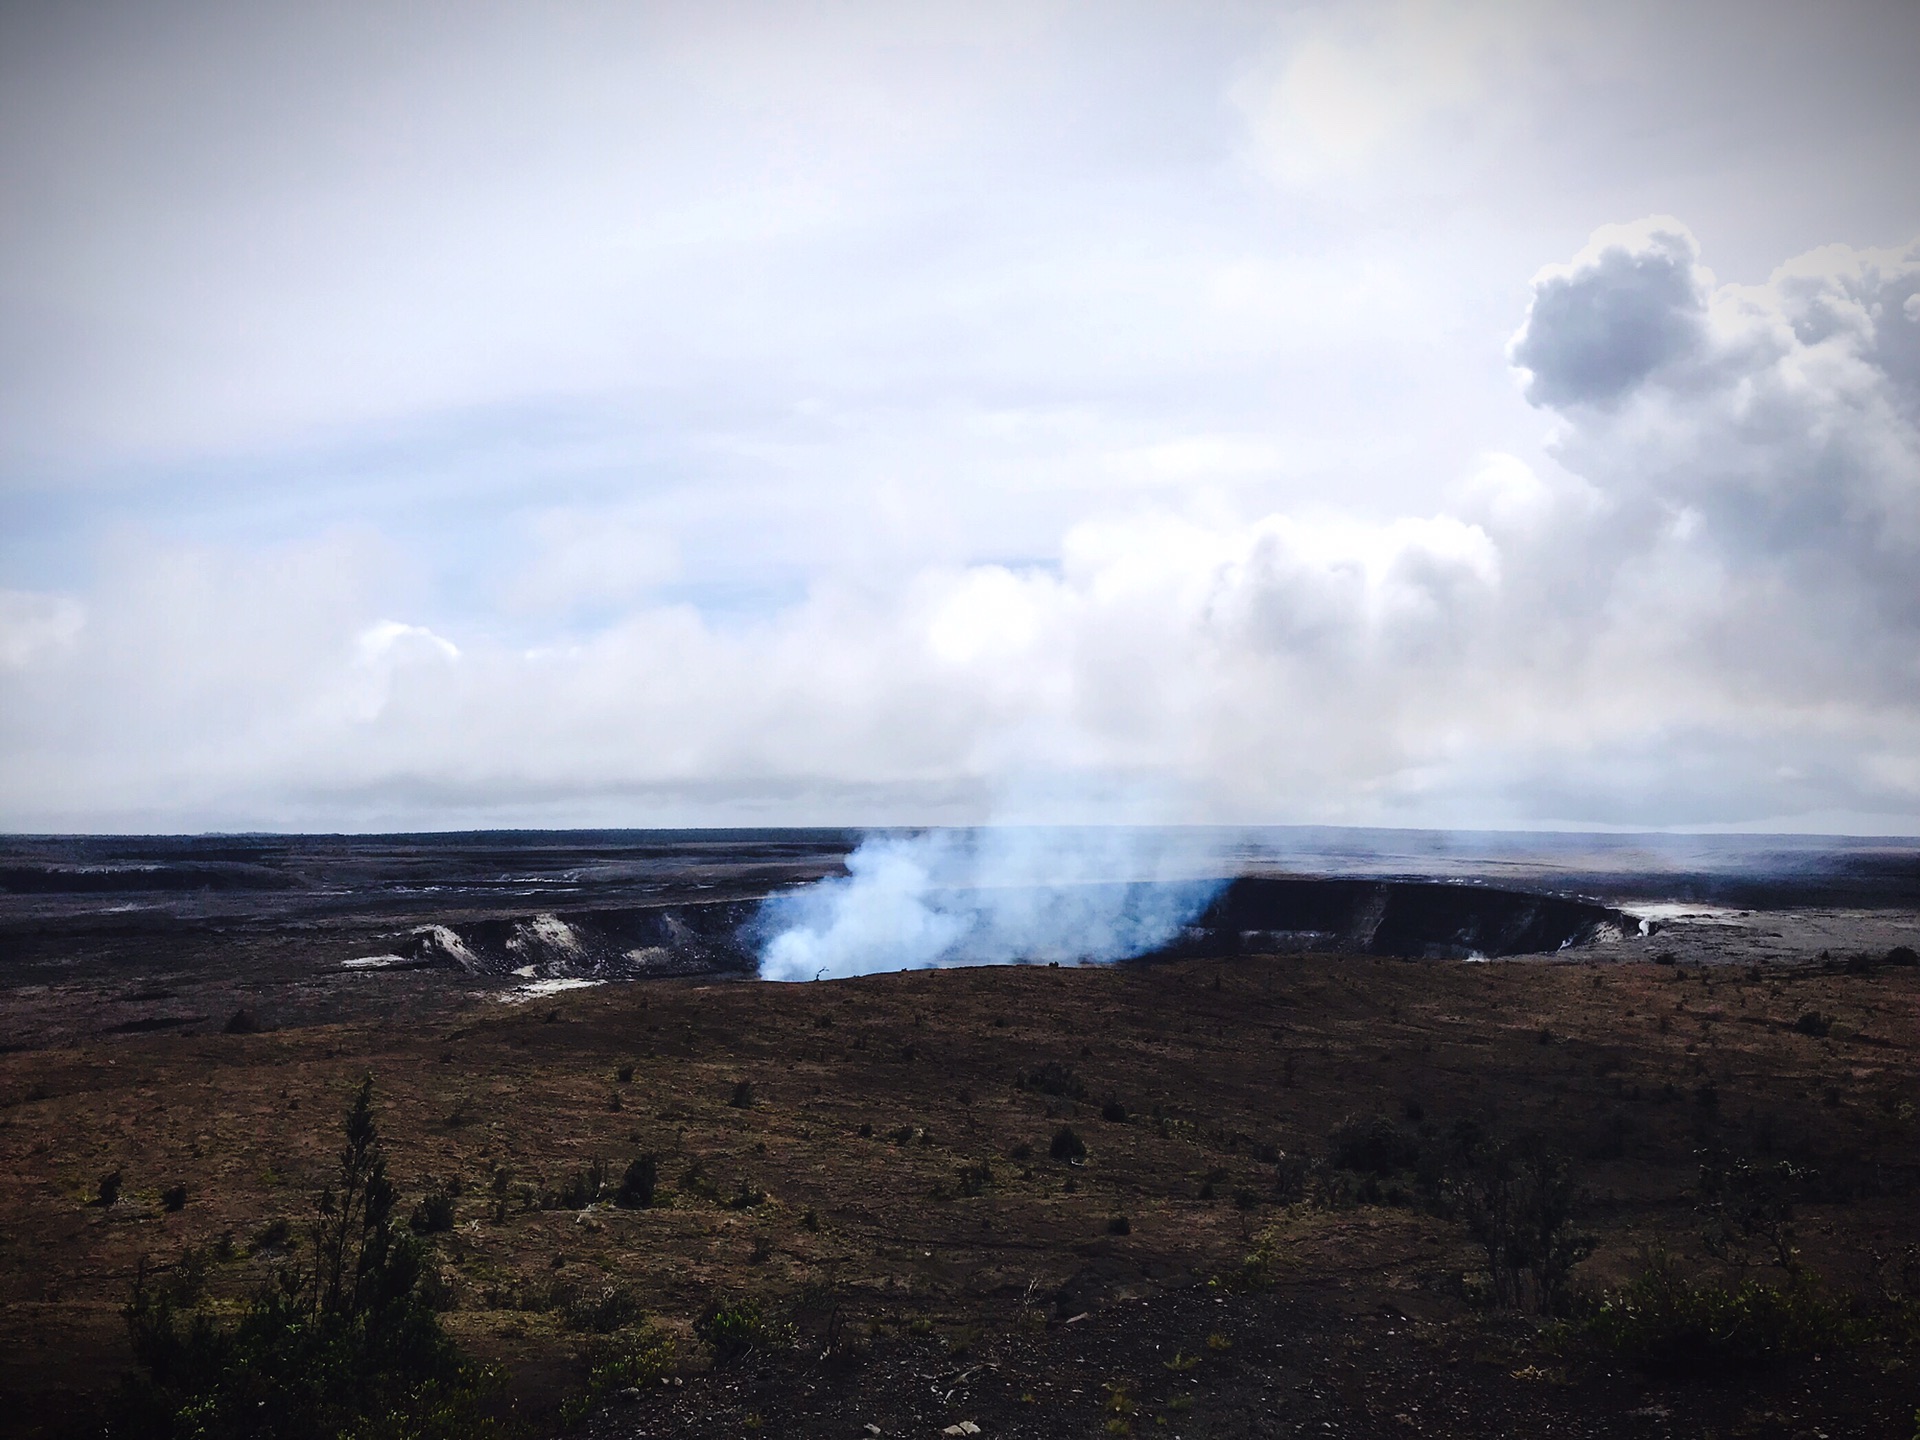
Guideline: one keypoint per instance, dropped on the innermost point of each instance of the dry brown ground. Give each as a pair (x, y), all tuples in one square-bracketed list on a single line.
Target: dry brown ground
[(872, 1096)]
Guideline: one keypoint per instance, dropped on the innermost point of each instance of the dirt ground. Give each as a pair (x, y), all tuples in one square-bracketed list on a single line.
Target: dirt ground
[(871, 1158)]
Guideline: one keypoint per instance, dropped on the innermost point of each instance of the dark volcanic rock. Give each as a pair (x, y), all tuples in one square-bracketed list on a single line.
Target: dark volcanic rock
[(1413, 919)]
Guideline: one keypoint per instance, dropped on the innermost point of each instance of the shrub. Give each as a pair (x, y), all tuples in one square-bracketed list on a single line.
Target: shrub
[(633, 1358), (746, 1197), (1066, 1145), (637, 1185), (347, 1345), (1813, 1023), (1902, 955), (1372, 1145), (1665, 1324), (173, 1199), (1517, 1200), (1747, 1204), (1114, 1113), (107, 1191), (580, 1189), (602, 1311), (1119, 1225), (742, 1097), (434, 1214), (735, 1329), (1052, 1078), (276, 1234)]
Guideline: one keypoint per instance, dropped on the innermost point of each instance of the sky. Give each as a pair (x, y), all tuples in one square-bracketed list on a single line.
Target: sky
[(1462, 415)]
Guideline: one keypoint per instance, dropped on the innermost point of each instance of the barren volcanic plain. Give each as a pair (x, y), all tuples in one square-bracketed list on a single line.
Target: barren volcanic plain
[(1257, 1227)]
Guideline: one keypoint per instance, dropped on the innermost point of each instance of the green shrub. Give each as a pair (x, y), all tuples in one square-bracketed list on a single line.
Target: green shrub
[(735, 1329), (1668, 1325), (631, 1359), (602, 1311)]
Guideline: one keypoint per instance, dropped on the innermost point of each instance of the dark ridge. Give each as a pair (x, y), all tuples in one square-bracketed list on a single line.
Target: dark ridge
[(29, 879)]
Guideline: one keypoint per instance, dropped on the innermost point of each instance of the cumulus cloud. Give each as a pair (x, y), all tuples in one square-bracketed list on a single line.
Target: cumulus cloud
[(1633, 302)]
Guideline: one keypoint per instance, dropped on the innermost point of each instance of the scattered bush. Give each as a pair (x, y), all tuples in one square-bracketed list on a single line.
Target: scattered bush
[(1119, 1225), (624, 1075), (1902, 955), (742, 1097), (107, 1190), (1813, 1023), (1114, 1113), (1066, 1145), (173, 1199), (1667, 1325), (638, 1184)]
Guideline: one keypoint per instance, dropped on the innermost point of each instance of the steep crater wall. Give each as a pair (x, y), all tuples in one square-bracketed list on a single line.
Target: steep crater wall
[(1252, 915), (1412, 919)]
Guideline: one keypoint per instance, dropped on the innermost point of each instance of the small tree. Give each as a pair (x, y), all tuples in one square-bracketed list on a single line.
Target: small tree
[(1517, 1200), (346, 1345)]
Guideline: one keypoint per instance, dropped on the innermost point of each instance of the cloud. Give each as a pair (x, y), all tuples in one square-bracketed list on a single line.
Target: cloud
[(1705, 611), (33, 626), (1764, 435), (1632, 302)]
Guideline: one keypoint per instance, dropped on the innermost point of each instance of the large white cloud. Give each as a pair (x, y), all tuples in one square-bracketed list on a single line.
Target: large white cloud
[(1708, 616)]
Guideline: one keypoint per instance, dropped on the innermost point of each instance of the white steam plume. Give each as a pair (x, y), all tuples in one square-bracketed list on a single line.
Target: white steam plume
[(1001, 895)]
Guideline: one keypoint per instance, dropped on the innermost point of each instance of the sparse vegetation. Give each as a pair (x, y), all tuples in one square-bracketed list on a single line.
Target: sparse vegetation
[(1669, 1325)]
